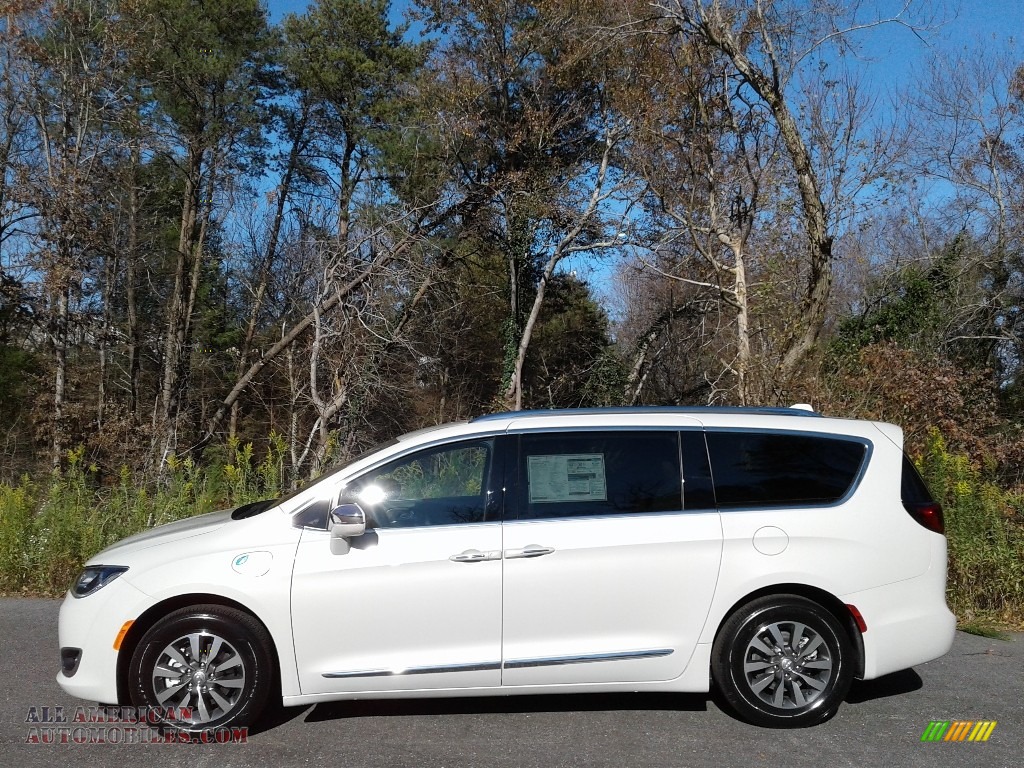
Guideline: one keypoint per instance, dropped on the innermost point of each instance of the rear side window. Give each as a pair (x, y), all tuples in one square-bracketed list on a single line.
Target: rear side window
[(766, 469), (568, 474), (913, 490)]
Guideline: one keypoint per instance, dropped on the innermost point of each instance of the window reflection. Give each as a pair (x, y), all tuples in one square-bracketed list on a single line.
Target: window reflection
[(439, 486)]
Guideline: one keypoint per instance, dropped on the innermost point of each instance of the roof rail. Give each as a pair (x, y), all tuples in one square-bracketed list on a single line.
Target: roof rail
[(796, 410)]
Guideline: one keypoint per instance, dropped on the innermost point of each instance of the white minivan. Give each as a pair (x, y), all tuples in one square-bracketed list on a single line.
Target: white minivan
[(774, 553)]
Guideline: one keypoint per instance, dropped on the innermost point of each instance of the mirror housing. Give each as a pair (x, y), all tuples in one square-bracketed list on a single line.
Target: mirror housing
[(346, 521)]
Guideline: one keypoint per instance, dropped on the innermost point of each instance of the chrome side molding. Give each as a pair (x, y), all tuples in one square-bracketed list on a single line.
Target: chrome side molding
[(471, 667), (552, 661), (549, 661)]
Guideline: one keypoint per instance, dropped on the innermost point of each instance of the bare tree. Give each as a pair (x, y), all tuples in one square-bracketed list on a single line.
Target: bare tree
[(266, 240), (393, 240), (69, 97), (706, 154), (587, 233), (15, 127), (768, 45), (969, 126)]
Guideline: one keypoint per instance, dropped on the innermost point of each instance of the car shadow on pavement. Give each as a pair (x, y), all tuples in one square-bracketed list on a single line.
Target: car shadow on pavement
[(275, 715), (894, 684), (596, 702)]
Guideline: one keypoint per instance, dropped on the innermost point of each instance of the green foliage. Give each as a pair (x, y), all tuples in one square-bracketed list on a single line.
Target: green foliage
[(343, 53), (15, 366), (913, 308), (352, 74), (569, 363), (607, 380), (934, 306), (986, 537), (208, 64), (909, 306), (48, 531), (17, 507)]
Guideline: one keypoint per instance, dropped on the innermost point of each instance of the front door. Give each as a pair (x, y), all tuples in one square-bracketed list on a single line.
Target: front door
[(416, 602)]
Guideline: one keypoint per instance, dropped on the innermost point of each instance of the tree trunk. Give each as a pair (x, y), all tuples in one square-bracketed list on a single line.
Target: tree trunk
[(188, 265), (60, 360), (165, 422), (302, 326), (768, 86), (514, 394), (269, 255), (742, 327), (131, 280), (109, 271), (346, 188)]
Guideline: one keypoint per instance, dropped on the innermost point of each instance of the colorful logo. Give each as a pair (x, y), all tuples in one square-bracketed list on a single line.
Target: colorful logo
[(958, 730)]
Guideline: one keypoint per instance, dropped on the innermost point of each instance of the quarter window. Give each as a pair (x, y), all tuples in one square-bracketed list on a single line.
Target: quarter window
[(599, 473), (765, 469)]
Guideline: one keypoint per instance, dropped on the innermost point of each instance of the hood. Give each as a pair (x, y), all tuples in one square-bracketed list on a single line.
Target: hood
[(163, 534)]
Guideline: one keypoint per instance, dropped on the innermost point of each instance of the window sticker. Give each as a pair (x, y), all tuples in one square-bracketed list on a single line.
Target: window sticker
[(567, 477)]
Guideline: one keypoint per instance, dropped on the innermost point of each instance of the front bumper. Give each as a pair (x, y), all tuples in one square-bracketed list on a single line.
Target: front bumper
[(91, 624)]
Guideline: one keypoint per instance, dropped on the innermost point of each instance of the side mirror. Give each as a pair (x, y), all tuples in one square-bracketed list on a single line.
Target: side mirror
[(346, 521)]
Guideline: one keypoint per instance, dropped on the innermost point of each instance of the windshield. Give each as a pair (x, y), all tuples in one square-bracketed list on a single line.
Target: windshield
[(254, 508), (332, 472)]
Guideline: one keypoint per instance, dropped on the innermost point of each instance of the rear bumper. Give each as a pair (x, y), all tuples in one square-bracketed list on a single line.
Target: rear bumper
[(908, 622)]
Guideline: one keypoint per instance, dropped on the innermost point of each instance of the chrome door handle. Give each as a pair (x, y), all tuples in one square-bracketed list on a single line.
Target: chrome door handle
[(474, 556), (531, 550)]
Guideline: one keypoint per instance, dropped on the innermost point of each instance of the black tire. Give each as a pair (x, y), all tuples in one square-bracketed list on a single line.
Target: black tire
[(226, 684), (768, 682)]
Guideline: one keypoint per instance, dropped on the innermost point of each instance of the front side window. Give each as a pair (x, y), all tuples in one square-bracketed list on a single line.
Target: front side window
[(598, 473), (446, 485), (769, 469)]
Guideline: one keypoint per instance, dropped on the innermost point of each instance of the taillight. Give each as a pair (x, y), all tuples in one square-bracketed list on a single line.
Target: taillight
[(918, 501), (929, 515)]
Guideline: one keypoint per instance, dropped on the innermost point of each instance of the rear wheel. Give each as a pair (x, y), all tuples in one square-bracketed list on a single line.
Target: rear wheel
[(203, 667), (783, 661)]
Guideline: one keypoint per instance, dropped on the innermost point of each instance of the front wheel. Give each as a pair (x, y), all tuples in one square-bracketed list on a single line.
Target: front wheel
[(783, 661), (203, 667)]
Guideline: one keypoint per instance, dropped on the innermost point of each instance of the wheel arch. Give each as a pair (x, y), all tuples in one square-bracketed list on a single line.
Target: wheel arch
[(154, 613), (825, 599)]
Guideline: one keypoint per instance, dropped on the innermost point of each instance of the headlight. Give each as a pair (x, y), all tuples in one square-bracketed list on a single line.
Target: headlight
[(95, 577)]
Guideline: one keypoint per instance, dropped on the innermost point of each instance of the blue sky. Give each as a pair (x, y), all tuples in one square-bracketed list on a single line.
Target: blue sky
[(893, 53), (964, 21), (279, 8), (888, 56)]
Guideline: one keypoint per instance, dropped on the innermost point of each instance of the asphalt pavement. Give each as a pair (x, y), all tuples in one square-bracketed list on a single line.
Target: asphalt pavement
[(881, 723)]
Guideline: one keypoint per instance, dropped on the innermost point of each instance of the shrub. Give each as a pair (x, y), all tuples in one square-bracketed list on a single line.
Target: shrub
[(47, 531), (985, 533)]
